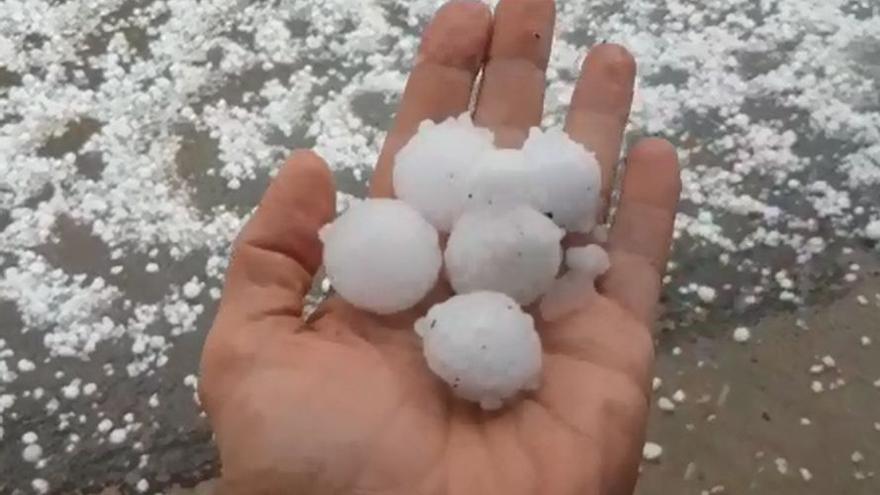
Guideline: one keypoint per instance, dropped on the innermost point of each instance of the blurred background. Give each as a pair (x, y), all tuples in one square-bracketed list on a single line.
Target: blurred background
[(137, 135)]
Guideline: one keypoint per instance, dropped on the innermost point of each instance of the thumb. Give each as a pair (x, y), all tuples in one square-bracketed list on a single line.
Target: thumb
[(278, 251)]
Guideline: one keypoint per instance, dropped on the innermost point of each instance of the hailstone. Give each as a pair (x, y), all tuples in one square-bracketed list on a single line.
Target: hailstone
[(430, 170), (483, 345), (381, 255), (513, 250), (575, 288), (567, 177), (872, 230), (591, 260), (501, 177)]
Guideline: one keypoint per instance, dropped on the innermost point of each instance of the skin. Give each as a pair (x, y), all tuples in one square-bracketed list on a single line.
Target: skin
[(344, 403)]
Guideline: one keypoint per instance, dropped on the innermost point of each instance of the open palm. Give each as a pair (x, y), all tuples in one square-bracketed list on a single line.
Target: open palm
[(344, 403)]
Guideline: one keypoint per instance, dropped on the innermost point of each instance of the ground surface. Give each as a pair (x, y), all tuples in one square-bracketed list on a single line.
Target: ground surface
[(751, 421), (135, 137)]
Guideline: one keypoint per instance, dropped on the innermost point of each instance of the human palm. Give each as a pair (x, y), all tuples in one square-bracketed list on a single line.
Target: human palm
[(343, 402)]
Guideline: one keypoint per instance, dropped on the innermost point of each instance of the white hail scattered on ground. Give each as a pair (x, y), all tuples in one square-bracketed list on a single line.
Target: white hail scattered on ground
[(742, 335)]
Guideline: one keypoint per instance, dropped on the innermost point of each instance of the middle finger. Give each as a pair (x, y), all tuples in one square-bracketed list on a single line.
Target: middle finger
[(511, 98)]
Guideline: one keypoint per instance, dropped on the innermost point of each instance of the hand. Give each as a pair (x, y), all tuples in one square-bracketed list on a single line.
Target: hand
[(344, 403)]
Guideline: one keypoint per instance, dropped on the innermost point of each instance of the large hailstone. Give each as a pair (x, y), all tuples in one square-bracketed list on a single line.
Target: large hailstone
[(381, 255), (500, 177), (567, 177), (430, 170), (483, 345), (509, 249)]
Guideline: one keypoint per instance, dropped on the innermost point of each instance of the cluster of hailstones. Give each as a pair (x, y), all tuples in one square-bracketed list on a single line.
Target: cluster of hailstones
[(506, 212)]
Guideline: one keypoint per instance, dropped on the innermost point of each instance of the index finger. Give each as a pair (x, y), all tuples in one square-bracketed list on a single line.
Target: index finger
[(440, 85)]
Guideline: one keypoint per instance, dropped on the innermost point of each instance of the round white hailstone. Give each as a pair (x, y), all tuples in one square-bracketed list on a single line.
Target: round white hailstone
[(483, 345), (32, 453), (651, 451), (381, 255), (568, 178), (656, 383), (679, 396), (501, 177), (192, 289), (872, 230), (665, 404), (71, 391), (430, 169), (590, 259), (742, 335), (40, 485), (513, 250), (781, 465), (706, 294), (105, 425), (118, 435)]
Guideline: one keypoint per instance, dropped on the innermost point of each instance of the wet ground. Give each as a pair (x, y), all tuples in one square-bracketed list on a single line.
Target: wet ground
[(751, 421), (133, 147)]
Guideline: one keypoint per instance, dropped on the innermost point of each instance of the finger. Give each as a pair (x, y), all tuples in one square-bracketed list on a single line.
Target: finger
[(440, 85), (511, 97), (641, 235), (278, 251), (600, 108)]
